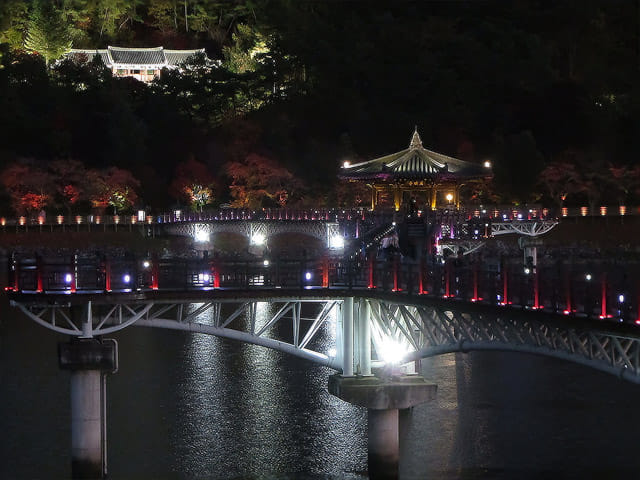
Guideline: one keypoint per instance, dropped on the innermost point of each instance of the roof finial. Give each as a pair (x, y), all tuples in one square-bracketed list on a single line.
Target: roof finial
[(416, 142)]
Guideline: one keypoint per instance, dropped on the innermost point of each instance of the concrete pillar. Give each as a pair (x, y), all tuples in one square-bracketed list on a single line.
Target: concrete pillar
[(88, 427), (347, 337), (384, 444), (383, 397), (88, 360)]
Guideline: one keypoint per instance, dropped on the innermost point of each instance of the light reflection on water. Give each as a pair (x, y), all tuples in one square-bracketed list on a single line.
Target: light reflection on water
[(193, 406)]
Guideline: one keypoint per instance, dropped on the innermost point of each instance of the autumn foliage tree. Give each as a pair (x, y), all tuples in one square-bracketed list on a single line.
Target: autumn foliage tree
[(259, 181), (28, 187), (193, 183), (114, 187)]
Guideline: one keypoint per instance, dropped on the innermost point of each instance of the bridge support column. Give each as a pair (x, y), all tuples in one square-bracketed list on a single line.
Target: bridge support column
[(383, 398), (347, 337), (88, 360)]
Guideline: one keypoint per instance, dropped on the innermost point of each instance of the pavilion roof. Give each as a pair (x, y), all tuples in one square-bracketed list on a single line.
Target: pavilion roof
[(413, 163), (156, 57)]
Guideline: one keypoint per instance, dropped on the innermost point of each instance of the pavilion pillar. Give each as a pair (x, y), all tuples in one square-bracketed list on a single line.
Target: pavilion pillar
[(397, 197), (374, 197), (433, 197)]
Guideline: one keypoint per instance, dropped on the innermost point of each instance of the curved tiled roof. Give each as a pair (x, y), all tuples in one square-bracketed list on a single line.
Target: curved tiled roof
[(138, 56), (416, 162), (156, 57), (176, 57)]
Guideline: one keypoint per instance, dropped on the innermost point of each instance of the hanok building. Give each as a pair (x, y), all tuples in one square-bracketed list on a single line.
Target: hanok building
[(431, 179), (143, 64)]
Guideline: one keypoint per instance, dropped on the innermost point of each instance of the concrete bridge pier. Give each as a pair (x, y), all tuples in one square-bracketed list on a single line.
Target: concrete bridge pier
[(88, 360), (383, 397)]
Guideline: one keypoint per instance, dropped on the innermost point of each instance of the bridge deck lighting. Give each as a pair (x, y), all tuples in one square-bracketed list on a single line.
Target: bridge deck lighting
[(257, 239), (201, 236), (336, 242), (392, 351)]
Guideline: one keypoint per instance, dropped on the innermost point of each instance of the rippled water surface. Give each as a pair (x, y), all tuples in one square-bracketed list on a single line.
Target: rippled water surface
[(192, 406)]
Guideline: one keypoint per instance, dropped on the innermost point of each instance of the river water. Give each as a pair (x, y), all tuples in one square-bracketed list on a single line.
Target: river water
[(188, 406)]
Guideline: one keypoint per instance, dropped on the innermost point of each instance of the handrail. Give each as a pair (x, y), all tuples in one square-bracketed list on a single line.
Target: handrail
[(594, 290)]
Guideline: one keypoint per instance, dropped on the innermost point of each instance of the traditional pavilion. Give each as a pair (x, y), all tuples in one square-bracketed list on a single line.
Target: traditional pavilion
[(143, 64), (429, 178)]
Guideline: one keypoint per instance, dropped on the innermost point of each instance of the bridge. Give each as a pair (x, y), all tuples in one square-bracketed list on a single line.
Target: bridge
[(381, 316)]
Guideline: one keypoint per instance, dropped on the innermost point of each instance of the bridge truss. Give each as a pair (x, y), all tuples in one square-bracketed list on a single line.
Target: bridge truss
[(321, 229), (352, 333)]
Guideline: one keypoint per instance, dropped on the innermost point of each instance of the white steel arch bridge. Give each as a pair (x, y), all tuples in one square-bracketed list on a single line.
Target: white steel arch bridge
[(369, 329)]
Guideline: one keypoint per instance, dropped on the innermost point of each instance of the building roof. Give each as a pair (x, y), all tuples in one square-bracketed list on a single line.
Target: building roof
[(121, 57), (414, 163)]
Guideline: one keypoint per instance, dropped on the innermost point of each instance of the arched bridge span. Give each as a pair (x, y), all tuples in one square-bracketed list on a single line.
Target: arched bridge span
[(348, 330)]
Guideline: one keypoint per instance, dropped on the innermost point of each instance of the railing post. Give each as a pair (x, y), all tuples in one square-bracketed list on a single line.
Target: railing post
[(39, 287), (505, 283), (74, 273), (372, 262), (603, 305), (155, 271), (396, 287), (325, 271), (107, 274), (536, 288)]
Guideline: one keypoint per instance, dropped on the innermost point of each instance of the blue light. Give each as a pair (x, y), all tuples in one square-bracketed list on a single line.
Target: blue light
[(126, 278), (307, 276)]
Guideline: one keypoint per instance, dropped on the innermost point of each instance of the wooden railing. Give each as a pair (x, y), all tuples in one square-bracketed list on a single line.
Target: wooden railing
[(593, 289)]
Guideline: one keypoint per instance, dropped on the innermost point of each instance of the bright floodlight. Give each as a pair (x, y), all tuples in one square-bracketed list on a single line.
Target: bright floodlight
[(126, 278), (449, 197), (346, 164), (201, 236), (336, 241), (487, 164), (587, 277), (203, 277), (391, 351), (307, 276), (257, 239), (146, 264), (265, 262), (621, 298), (68, 278)]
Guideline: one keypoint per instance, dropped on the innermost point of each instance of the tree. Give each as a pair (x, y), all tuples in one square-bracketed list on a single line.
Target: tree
[(28, 187), (70, 178), (560, 179), (113, 187), (260, 180), (47, 32), (193, 183)]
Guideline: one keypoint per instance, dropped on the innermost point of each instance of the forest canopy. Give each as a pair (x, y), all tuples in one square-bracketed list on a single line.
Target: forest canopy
[(306, 85)]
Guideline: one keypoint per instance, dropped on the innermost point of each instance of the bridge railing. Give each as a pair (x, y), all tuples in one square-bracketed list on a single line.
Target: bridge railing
[(593, 289)]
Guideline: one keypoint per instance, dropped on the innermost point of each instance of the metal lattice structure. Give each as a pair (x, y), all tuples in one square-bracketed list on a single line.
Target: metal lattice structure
[(531, 228), (320, 229), (361, 328)]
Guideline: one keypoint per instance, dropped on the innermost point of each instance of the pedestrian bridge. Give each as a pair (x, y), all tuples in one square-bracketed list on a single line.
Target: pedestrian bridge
[(351, 316)]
